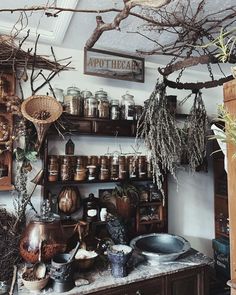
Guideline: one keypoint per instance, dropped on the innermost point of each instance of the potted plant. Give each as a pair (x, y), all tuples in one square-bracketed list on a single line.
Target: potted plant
[(228, 134), (127, 198)]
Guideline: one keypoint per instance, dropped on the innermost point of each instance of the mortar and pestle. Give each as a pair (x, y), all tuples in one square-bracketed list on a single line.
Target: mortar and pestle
[(118, 256), (61, 271)]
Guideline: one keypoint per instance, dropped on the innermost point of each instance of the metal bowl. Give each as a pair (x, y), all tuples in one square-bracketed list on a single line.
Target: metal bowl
[(158, 248)]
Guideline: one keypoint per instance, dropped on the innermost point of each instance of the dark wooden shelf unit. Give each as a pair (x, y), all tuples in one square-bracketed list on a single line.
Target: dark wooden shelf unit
[(93, 126)]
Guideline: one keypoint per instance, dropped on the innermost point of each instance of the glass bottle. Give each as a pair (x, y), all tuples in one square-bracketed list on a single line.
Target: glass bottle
[(127, 107), (122, 168), (114, 168), (115, 109), (65, 169), (53, 168), (103, 104), (132, 166), (142, 167)]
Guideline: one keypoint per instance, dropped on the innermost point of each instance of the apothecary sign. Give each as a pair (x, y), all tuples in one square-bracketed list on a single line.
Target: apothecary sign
[(113, 65)]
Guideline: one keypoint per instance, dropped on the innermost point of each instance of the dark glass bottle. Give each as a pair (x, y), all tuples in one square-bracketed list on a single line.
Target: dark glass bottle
[(91, 208)]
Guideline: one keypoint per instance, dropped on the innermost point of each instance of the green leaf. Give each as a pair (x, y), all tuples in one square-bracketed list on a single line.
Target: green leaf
[(31, 156)]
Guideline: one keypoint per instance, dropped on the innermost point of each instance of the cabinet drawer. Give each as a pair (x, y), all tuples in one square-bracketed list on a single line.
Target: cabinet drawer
[(80, 126), (147, 287), (120, 128)]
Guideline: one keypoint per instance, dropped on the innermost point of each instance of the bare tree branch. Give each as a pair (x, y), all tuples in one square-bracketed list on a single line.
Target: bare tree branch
[(123, 14)]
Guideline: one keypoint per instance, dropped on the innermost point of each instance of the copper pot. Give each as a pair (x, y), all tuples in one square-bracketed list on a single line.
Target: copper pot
[(46, 233)]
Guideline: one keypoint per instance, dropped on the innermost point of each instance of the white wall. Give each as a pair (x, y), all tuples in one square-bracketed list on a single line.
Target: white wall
[(191, 208)]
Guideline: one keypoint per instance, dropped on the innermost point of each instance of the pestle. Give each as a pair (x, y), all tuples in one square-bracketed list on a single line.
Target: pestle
[(39, 268), (74, 253)]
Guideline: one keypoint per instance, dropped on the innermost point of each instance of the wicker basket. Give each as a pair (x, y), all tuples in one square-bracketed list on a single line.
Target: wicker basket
[(39, 103)]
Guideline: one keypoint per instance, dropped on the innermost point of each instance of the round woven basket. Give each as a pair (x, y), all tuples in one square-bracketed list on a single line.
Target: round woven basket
[(39, 103)]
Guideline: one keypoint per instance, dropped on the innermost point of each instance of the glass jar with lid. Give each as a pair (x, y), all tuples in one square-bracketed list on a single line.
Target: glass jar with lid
[(115, 109), (103, 104), (80, 171), (127, 106), (65, 171), (59, 94), (115, 167), (104, 173), (73, 101), (90, 107)]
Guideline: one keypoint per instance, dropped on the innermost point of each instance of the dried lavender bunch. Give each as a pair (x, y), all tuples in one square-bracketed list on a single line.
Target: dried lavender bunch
[(197, 133), (157, 127)]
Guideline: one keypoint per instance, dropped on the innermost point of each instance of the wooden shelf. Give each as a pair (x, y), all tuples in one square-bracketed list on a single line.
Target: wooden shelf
[(76, 182), (150, 221)]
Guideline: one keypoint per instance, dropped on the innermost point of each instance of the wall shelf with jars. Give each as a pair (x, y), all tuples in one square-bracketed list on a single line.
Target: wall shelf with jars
[(72, 169), (94, 115), (68, 171)]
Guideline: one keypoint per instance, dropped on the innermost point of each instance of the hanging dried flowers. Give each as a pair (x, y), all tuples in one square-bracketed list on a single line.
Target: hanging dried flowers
[(157, 127), (197, 133)]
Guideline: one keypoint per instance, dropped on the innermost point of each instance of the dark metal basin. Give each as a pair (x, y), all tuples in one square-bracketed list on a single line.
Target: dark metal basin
[(157, 248)]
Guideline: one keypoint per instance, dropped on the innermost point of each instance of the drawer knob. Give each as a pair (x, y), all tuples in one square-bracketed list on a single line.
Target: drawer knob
[(138, 293)]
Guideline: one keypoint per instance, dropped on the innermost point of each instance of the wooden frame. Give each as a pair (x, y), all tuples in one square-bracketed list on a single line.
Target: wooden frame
[(112, 65), (7, 88), (230, 103), (6, 156)]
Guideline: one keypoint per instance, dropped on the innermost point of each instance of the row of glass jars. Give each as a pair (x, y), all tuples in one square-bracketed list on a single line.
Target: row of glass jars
[(85, 104), (91, 168)]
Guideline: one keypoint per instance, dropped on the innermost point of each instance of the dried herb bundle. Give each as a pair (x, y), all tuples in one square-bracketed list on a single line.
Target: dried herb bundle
[(161, 136), (8, 245), (197, 133)]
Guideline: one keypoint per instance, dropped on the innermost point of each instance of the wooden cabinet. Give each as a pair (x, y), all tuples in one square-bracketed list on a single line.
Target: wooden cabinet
[(230, 103), (186, 282), (220, 193)]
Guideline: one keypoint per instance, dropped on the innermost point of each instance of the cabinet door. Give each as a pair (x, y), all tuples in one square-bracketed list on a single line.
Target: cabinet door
[(186, 283), (147, 287)]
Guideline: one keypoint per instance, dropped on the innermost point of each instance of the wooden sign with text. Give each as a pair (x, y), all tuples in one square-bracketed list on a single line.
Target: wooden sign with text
[(113, 65)]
